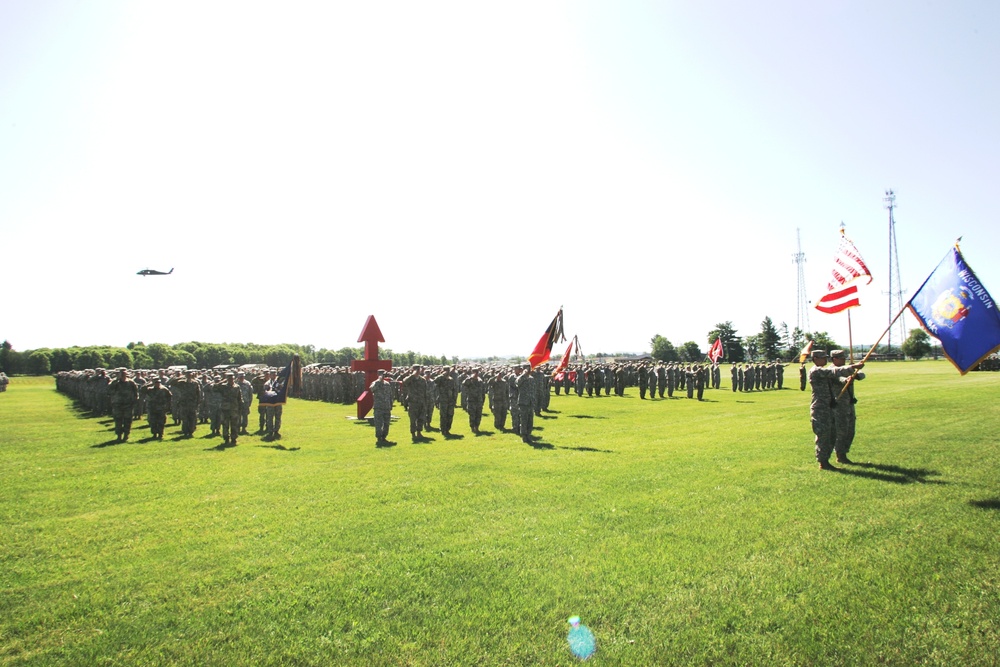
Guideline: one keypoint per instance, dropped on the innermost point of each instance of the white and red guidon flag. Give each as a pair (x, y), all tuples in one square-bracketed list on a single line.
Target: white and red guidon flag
[(841, 292), (715, 352)]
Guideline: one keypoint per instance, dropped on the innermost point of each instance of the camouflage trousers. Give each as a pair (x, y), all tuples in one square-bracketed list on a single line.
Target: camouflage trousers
[(823, 428)]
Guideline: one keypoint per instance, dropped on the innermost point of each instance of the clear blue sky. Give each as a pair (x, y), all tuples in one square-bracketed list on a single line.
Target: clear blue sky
[(460, 170)]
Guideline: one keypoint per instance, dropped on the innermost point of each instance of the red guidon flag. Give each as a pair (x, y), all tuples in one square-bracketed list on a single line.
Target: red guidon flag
[(841, 292), (565, 358), (552, 335), (715, 352)]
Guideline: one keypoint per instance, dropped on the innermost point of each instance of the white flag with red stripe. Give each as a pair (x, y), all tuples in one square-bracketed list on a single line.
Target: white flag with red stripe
[(848, 267)]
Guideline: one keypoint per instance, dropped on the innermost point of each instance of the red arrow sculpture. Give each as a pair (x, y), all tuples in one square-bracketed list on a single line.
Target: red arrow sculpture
[(371, 336)]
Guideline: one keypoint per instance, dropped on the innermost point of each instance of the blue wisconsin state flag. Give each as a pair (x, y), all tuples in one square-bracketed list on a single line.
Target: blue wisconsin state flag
[(289, 378), (956, 309)]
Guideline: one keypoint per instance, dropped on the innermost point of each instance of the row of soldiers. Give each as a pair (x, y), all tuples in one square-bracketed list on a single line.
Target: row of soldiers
[(518, 391), (189, 396)]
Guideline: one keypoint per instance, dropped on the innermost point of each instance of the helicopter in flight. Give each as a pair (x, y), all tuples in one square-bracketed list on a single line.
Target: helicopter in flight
[(154, 272)]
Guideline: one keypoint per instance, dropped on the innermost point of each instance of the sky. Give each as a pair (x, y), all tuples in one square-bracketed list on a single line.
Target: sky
[(463, 170)]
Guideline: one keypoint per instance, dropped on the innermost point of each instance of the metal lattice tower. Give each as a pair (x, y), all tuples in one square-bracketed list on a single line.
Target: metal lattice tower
[(802, 307), (896, 303)]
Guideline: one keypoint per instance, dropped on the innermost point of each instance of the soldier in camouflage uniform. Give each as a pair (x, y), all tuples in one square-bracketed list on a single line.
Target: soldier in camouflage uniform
[(157, 404), (844, 415), (474, 395), (499, 401), (230, 396), (381, 390), (526, 402), (825, 383), (447, 391), (187, 396), (415, 392), (123, 393), (515, 411), (247, 390)]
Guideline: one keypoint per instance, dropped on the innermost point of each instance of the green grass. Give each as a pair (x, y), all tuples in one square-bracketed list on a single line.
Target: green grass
[(681, 532)]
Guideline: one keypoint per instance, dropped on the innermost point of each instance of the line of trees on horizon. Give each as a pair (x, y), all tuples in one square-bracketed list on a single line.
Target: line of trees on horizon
[(776, 343), (44, 361)]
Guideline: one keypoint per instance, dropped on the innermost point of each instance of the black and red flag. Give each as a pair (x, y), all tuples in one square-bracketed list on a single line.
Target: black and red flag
[(553, 334)]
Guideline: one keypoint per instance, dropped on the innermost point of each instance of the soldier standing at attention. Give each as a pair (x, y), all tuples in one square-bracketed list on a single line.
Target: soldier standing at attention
[(123, 393), (187, 396), (272, 412), (416, 393), (474, 393), (447, 393), (499, 401), (230, 397), (526, 401), (247, 390), (157, 404), (844, 415), (643, 381), (381, 390)]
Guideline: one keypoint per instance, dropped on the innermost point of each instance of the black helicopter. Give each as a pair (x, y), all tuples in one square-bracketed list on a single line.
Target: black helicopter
[(153, 272)]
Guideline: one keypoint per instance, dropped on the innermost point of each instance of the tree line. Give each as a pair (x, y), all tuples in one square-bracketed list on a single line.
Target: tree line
[(44, 361), (772, 343)]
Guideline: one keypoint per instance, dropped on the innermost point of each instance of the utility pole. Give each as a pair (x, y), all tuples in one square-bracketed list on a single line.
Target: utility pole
[(802, 307)]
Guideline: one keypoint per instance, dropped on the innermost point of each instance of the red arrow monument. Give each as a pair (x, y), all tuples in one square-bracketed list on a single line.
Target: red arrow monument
[(371, 336)]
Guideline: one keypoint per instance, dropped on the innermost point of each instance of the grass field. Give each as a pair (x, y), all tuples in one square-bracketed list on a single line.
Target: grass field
[(682, 533)]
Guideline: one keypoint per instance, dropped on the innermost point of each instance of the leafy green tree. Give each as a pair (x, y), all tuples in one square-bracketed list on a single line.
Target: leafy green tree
[(732, 345), (62, 360), (160, 353), (118, 357), (769, 340), (753, 347), (663, 349), (917, 345), (89, 357), (40, 362), (798, 341), (690, 352), (6, 352), (181, 358), (141, 360), (821, 341)]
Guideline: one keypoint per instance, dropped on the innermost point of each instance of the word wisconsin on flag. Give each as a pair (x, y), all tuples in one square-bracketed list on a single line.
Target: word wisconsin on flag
[(954, 307), (848, 266), (552, 334)]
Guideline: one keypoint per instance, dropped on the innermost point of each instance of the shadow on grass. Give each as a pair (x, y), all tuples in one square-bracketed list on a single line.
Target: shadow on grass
[(107, 443), (585, 417), (538, 444), (988, 504), (891, 473), (282, 448), (588, 449)]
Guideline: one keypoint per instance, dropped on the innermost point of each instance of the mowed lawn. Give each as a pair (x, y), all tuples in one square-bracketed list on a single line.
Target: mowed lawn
[(682, 533)]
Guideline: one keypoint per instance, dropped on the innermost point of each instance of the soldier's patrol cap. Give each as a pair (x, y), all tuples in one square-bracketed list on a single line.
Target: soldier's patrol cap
[(229, 375), (819, 354), (837, 354)]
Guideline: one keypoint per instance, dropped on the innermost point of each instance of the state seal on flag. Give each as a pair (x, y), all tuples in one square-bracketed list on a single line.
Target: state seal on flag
[(952, 306)]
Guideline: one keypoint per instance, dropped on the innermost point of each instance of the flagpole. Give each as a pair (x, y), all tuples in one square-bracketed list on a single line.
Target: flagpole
[(850, 336), (854, 374)]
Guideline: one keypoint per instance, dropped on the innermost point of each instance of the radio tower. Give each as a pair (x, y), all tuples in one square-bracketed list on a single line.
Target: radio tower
[(895, 286), (802, 308)]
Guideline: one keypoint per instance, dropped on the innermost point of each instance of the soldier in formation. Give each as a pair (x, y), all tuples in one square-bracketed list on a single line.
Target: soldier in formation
[(123, 394)]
